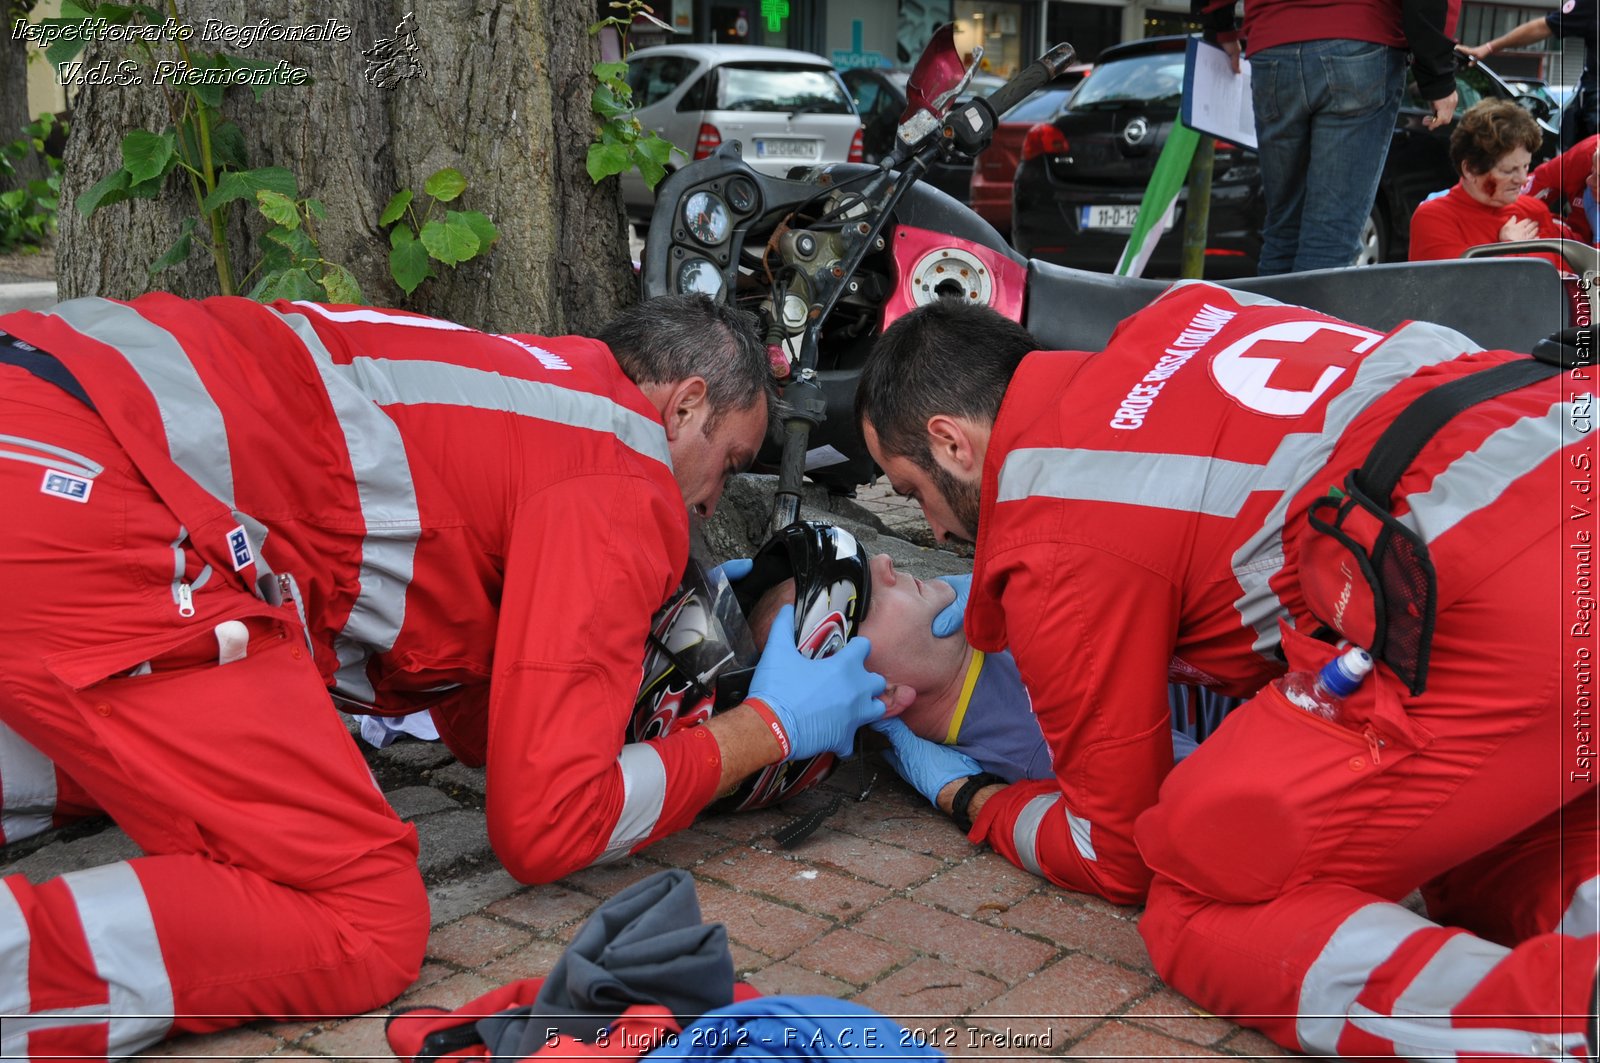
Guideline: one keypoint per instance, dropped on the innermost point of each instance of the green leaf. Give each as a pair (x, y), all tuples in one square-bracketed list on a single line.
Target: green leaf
[(651, 171), (340, 284), (610, 71), (244, 184), (278, 208), (294, 241), (144, 154), (179, 251), (408, 261), (399, 234), (286, 284), (654, 148), (112, 188), (210, 95), (397, 206), (228, 151), (604, 103), (445, 185), (450, 242), (480, 225), (316, 208), (605, 160)]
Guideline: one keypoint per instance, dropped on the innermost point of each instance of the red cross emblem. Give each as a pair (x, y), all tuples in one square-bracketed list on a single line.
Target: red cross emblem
[(1283, 368), (1299, 366)]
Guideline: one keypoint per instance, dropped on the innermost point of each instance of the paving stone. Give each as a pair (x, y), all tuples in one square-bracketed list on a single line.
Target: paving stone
[(1174, 1015), (449, 993), (474, 941), (686, 849), (927, 993), (450, 838), (914, 829), (1070, 997), (1002, 953), (418, 755), (1253, 1044), (887, 865), (242, 1043), (1099, 929), (1133, 1042), (412, 801), (456, 775), (359, 1038), (771, 929), (852, 956), (607, 880), (533, 959), (985, 888), (747, 962), (450, 901), (819, 890), (544, 907), (785, 977), (106, 846)]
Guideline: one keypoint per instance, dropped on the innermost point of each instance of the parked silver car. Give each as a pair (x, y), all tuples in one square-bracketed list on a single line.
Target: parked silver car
[(786, 108)]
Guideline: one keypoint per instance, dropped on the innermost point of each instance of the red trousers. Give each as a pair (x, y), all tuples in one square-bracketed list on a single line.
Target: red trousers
[(1282, 845), (277, 881)]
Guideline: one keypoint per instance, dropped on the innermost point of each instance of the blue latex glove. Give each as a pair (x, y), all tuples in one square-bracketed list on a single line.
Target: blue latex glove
[(928, 766), (735, 568), (819, 703), (948, 622)]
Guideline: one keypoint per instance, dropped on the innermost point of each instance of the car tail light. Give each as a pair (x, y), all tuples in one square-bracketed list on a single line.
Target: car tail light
[(1225, 145), (1043, 139), (855, 148), (706, 141)]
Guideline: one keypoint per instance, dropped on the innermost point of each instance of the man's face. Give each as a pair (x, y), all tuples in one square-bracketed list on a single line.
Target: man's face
[(899, 621), (949, 502), (702, 461)]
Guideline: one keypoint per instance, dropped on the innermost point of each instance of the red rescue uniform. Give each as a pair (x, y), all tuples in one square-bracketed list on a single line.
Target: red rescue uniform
[(1140, 521), (403, 511)]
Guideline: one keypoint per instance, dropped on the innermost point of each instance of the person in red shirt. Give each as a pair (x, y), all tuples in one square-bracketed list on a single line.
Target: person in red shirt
[(1139, 517), (1565, 182), (1491, 149), (219, 513)]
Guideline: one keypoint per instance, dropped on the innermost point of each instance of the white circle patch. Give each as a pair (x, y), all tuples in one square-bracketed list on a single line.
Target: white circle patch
[(1284, 368)]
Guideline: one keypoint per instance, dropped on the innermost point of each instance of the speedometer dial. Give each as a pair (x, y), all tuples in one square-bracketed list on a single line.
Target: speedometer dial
[(700, 275), (706, 216)]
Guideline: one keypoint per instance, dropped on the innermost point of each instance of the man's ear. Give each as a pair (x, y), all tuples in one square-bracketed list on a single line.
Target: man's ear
[(954, 444), (686, 406), (897, 698)]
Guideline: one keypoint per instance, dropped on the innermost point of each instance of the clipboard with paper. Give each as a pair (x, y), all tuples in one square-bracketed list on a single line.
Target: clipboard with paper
[(1216, 101)]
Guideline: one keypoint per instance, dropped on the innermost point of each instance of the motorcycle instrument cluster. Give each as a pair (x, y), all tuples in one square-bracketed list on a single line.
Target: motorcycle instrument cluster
[(706, 216), (700, 275)]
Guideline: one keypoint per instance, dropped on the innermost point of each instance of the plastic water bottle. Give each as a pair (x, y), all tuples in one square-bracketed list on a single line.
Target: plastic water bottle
[(1321, 693)]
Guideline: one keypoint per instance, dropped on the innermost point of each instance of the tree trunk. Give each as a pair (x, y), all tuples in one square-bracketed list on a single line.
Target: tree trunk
[(14, 112), (503, 98)]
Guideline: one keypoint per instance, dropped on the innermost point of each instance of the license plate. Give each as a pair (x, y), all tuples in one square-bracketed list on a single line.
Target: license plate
[(1107, 217), (786, 149)]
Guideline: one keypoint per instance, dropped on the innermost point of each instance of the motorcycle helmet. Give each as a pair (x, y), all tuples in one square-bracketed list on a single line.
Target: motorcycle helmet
[(701, 653)]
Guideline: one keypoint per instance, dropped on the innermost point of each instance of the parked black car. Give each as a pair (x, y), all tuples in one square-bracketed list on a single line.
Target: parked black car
[(880, 99), (1083, 174)]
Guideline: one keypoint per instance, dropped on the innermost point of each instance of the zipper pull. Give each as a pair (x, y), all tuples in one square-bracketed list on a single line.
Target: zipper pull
[(185, 600), (1374, 743)]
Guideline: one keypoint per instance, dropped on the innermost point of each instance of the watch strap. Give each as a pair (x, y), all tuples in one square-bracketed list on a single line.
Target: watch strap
[(963, 800)]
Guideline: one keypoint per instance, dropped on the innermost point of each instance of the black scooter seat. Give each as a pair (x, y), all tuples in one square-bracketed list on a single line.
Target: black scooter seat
[(1508, 303)]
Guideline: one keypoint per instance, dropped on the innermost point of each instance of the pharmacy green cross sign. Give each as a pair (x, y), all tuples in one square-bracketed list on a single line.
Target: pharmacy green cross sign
[(774, 11)]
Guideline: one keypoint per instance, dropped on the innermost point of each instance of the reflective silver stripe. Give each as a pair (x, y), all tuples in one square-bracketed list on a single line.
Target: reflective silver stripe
[(196, 436), (61, 458), (1025, 834), (391, 521), (389, 382), (1185, 482), (1241, 297), (1301, 455), (644, 792), (1421, 1024), (27, 792), (1582, 916), (1363, 942), (127, 954), (1478, 477), (378, 317), (15, 943)]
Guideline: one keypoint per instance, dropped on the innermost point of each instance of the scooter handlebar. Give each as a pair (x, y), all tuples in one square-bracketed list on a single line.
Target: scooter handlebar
[(1035, 75)]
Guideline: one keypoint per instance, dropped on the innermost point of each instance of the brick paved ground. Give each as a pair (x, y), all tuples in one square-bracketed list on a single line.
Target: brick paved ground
[(887, 905)]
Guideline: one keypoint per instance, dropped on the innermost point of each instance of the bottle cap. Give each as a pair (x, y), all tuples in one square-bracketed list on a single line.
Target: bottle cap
[(1344, 673)]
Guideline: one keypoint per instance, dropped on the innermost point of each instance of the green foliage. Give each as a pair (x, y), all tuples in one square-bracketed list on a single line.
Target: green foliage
[(206, 155), (28, 212), (623, 143), (416, 242)]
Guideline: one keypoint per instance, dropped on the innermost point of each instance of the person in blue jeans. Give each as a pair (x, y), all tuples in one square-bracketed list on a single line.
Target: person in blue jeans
[(1326, 82)]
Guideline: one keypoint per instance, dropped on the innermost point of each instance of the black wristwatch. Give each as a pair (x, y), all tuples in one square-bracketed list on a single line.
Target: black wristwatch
[(964, 796)]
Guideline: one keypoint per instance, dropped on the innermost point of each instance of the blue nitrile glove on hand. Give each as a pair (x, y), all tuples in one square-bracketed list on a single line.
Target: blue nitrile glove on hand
[(735, 568), (948, 622), (928, 766), (818, 703)]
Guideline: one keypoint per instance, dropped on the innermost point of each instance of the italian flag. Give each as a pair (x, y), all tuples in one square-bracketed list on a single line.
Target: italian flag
[(1160, 201)]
